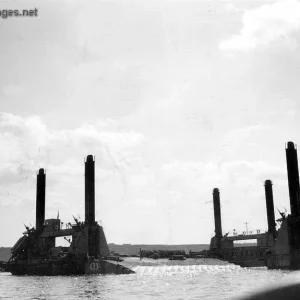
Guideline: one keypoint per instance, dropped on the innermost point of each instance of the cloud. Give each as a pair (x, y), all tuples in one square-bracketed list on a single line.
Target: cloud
[(245, 132), (13, 90), (199, 176), (245, 173), (269, 23), (237, 137), (230, 7), (28, 144)]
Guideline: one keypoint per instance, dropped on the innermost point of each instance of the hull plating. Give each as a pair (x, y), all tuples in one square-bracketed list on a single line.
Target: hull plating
[(52, 268)]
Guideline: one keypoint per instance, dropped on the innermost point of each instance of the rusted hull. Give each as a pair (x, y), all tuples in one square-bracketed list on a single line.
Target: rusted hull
[(250, 263), (251, 256), (71, 268), (283, 261)]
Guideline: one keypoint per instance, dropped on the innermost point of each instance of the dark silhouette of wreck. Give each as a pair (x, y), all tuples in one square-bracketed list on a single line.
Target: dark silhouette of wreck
[(276, 249), (35, 252)]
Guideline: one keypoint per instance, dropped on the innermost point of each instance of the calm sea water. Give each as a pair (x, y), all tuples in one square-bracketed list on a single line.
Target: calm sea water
[(161, 279)]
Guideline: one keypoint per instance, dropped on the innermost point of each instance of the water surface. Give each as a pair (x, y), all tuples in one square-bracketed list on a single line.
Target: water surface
[(154, 279)]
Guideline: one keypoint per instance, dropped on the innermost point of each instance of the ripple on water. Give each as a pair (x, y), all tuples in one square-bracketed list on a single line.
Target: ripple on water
[(156, 281), (186, 269)]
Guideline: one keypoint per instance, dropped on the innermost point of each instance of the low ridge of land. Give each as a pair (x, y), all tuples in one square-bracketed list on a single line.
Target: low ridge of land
[(135, 249)]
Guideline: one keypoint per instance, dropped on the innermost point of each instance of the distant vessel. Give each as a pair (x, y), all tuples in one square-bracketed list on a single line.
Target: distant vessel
[(156, 254), (177, 257), (35, 252), (114, 258)]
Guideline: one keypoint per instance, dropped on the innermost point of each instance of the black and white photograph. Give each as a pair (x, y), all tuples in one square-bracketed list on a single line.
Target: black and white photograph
[(149, 149)]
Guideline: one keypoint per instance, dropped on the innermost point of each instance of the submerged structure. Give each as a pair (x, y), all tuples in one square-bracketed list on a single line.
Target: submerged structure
[(276, 249), (35, 252), (222, 246)]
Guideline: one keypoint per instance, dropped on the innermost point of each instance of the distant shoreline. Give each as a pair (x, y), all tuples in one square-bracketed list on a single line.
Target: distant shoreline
[(129, 249), (134, 249)]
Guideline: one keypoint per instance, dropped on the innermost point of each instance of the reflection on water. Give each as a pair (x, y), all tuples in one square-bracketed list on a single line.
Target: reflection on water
[(154, 279)]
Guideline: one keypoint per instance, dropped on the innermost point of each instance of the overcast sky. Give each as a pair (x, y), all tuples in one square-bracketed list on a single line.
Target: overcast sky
[(174, 98)]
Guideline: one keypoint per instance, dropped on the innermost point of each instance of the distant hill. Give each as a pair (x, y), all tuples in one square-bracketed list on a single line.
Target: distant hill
[(5, 253), (134, 249)]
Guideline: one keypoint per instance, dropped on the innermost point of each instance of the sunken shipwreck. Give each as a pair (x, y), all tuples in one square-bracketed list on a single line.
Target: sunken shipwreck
[(276, 248), (35, 252)]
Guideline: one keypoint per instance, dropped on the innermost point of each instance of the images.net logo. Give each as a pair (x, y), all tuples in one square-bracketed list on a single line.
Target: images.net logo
[(6, 13)]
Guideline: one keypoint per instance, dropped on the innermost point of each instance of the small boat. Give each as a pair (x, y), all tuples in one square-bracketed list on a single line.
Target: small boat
[(114, 258), (177, 257), (155, 256)]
